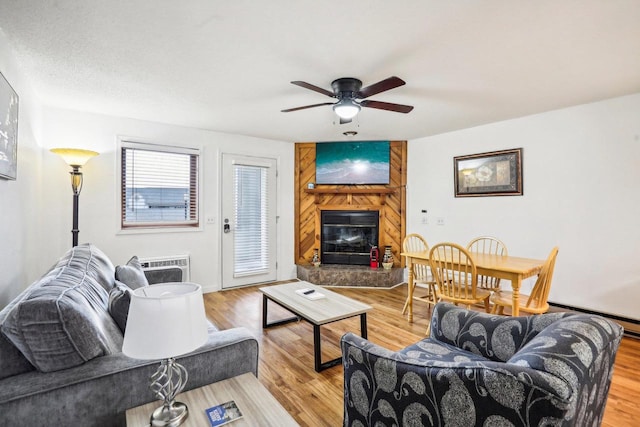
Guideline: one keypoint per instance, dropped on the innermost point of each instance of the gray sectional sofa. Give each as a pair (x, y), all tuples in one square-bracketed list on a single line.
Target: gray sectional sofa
[(60, 350)]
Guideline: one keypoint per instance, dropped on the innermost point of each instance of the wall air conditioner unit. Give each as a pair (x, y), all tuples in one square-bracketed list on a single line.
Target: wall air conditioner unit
[(166, 269)]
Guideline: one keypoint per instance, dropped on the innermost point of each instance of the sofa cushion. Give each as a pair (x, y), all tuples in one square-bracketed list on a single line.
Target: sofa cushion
[(92, 261), (430, 350), (12, 362), (132, 274), (119, 301), (62, 320)]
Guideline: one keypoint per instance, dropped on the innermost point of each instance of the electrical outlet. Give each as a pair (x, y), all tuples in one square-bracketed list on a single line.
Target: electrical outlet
[(440, 221)]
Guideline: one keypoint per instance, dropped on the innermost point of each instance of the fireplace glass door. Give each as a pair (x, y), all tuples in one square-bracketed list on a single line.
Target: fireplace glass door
[(348, 236)]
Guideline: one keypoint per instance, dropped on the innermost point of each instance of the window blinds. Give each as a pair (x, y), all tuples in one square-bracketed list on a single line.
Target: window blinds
[(159, 186), (251, 214)]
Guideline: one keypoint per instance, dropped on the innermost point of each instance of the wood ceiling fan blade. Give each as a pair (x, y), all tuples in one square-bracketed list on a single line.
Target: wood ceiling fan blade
[(381, 86), (305, 107), (314, 88), (398, 108)]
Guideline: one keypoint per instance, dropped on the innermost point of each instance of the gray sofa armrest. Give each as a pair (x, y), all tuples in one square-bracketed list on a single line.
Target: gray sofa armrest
[(90, 394), (491, 336)]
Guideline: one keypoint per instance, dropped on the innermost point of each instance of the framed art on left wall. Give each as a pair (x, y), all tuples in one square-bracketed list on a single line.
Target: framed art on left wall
[(8, 130)]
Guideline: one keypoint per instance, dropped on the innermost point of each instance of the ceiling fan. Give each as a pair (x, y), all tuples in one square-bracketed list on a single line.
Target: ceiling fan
[(348, 91)]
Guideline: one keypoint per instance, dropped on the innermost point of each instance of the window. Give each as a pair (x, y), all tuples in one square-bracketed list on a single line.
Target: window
[(159, 186)]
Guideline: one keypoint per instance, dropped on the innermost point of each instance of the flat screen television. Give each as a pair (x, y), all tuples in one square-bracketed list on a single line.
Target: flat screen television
[(363, 162)]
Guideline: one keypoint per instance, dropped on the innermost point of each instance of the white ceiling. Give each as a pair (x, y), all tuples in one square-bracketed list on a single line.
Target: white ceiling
[(226, 65)]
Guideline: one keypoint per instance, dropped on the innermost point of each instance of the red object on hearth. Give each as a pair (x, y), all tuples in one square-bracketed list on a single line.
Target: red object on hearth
[(374, 257)]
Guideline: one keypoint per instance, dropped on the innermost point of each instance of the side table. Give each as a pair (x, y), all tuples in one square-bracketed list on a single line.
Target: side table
[(257, 405)]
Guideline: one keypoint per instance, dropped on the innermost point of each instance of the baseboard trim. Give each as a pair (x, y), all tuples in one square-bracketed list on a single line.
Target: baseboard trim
[(631, 326)]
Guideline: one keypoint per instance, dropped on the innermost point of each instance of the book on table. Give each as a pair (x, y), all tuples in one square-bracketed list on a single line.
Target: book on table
[(224, 413)]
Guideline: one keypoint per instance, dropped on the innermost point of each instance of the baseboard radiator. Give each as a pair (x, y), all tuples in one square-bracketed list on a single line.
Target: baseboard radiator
[(175, 268), (631, 326)]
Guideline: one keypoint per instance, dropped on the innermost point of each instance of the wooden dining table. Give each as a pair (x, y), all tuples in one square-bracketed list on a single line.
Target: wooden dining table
[(510, 268)]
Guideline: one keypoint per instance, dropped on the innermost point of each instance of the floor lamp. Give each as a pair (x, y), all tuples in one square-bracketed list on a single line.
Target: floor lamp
[(76, 158)]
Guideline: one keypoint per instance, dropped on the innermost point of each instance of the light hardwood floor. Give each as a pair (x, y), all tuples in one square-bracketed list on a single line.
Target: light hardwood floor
[(315, 399)]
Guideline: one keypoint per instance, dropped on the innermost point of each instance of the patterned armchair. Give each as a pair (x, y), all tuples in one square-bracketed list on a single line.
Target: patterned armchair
[(479, 369)]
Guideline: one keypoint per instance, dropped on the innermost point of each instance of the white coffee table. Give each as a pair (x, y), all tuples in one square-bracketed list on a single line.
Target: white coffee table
[(258, 406), (331, 308)]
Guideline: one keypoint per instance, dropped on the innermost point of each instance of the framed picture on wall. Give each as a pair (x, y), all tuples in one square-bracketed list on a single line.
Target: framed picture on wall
[(8, 130), (497, 173)]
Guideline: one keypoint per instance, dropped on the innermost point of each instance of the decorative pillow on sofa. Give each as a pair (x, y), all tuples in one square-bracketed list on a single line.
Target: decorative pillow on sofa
[(119, 301), (62, 320), (132, 274)]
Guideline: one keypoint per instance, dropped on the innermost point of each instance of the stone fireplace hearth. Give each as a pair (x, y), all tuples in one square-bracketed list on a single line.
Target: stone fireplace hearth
[(350, 275)]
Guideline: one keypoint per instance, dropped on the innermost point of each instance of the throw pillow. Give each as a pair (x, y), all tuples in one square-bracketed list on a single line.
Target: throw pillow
[(119, 301), (132, 274), (63, 321)]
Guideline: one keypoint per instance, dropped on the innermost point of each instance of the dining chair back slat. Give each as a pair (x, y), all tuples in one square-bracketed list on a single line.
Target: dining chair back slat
[(422, 277), (416, 243), (456, 275), (536, 302), (488, 245), (540, 292)]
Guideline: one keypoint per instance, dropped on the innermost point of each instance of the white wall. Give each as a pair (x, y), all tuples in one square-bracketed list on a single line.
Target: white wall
[(20, 206), (581, 175), (99, 206)]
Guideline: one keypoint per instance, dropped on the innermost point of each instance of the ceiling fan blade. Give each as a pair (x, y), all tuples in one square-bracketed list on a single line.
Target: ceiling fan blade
[(305, 107), (398, 108), (314, 88), (381, 86)]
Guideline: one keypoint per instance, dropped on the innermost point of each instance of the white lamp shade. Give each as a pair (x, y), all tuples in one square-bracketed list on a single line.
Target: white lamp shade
[(346, 108), (165, 320)]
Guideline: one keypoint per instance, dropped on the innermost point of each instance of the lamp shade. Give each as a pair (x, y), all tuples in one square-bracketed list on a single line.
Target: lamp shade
[(346, 108), (74, 156), (165, 320)]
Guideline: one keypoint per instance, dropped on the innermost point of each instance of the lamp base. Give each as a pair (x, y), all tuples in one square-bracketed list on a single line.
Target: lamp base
[(170, 416)]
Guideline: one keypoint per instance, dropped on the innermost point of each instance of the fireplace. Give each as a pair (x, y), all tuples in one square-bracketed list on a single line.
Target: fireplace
[(347, 236)]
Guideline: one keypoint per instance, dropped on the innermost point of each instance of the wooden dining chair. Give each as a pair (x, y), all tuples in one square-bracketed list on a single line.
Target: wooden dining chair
[(422, 277), (456, 276), (488, 245), (537, 302)]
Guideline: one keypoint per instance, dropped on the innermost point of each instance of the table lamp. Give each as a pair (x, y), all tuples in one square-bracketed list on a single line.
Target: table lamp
[(165, 321)]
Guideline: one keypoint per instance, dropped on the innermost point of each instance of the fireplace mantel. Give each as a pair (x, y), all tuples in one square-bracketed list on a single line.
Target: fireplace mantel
[(382, 192)]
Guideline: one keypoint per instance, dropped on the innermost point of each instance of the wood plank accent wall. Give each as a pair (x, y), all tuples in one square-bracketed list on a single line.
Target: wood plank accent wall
[(391, 202)]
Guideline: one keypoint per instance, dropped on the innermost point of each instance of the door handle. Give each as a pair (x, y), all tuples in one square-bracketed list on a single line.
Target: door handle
[(226, 228)]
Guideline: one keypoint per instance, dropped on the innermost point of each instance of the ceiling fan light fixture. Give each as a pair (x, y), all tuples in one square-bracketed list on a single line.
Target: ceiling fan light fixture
[(346, 108)]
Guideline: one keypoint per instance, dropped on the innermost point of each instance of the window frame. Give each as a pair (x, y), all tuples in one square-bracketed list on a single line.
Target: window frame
[(159, 226)]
